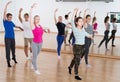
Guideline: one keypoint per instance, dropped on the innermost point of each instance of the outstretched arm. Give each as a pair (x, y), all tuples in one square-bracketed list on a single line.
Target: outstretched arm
[(80, 13), (74, 14), (31, 19), (19, 28), (84, 18), (5, 10), (95, 14), (55, 19), (20, 18)]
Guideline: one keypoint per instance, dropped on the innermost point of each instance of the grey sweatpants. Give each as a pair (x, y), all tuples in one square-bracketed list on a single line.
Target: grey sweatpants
[(36, 48)]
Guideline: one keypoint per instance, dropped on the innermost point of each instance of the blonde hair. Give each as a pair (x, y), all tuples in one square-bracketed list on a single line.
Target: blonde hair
[(35, 17)]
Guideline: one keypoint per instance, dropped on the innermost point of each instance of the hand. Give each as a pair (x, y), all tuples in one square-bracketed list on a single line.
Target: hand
[(69, 13), (76, 9), (56, 10), (86, 10), (33, 5), (9, 2), (21, 9)]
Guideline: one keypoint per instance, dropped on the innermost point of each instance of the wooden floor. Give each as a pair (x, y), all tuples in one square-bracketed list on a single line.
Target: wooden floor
[(103, 70)]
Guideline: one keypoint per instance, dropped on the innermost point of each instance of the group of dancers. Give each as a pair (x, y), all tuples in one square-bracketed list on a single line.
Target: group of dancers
[(82, 34)]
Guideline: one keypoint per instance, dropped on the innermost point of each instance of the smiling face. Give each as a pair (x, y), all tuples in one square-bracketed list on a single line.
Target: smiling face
[(36, 20), (79, 22), (26, 17), (9, 17)]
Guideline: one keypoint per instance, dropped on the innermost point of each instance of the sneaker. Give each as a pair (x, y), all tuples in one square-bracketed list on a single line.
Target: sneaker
[(113, 46), (88, 66), (59, 57), (69, 70), (37, 72), (32, 66), (78, 78)]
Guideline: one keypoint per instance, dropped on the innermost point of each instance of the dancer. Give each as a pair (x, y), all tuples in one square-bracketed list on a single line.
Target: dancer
[(95, 24), (106, 33), (9, 35), (89, 30), (113, 31), (78, 48), (66, 22), (37, 30), (27, 32), (61, 32)]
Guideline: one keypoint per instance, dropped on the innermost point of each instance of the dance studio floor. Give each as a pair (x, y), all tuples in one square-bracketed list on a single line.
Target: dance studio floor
[(52, 70)]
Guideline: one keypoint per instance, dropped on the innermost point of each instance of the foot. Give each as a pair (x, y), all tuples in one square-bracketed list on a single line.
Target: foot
[(9, 64), (69, 70), (78, 78), (32, 66), (88, 66), (113, 46), (37, 72), (59, 57), (14, 60)]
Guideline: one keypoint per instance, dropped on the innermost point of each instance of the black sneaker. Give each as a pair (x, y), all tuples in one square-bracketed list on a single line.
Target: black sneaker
[(69, 70), (77, 78), (113, 45), (8, 62), (14, 60)]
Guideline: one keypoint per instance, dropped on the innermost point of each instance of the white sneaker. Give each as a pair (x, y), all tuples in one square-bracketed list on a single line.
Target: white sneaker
[(37, 72), (88, 66), (59, 57), (32, 66)]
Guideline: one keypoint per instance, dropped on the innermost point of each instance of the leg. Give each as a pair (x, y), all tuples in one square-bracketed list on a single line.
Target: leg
[(34, 58), (26, 46), (60, 40), (66, 32), (71, 36), (13, 50), (30, 41), (7, 49)]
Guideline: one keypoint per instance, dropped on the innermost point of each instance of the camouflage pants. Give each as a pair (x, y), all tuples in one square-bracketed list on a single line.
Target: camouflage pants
[(78, 51)]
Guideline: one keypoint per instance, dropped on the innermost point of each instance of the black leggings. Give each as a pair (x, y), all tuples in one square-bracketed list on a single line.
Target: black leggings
[(112, 36), (106, 33)]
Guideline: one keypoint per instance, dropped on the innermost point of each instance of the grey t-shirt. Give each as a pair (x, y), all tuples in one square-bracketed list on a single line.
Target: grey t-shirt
[(89, 29)]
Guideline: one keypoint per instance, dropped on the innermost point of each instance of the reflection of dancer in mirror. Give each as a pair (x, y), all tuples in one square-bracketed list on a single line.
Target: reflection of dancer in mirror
[(27, 32), (89, 30), (37, 41), (78, 47), (9, 35), (66, 22), (61, 32), (106, 33), (95, 24), (113, 31)]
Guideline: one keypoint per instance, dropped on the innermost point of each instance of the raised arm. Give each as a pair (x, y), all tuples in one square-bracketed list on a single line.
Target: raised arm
[(95, 14), (5, 10), (68, 13), (20, 18), (74, 14), (55, 19), (31, 19), (80, 13), (84, 18)]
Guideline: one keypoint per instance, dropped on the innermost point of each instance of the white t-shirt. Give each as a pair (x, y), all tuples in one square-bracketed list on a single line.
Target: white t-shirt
[(27, 29), (66, 22), (114, 26)]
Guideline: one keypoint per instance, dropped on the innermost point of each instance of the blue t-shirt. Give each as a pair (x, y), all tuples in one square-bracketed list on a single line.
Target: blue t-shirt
[(9, 29)]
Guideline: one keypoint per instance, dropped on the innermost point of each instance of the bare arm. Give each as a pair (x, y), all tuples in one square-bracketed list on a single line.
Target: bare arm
[(19, 28), (20, 18), (84, 18), (55, 16), (5, 10), (74, 14), (31, 19), (95, 14), (80, 14)]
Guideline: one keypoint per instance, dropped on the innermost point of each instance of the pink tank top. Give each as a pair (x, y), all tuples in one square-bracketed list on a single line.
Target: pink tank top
[(38, 33), (95, 26)]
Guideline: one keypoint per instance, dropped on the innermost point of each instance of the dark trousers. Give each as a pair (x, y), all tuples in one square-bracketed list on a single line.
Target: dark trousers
[(78, 50), (106, 33), (112, 36), (10, 46), (72, 37), (87, 46)]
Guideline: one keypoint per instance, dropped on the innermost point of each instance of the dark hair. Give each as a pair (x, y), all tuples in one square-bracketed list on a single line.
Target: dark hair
[(26, 14), (8, 14), (77, 19), (114, 20), (106, 19), (66, 16), (88, 16), (94, 19)]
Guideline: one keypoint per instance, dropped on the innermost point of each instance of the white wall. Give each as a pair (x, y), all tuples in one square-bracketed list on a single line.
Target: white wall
[(46, 10)]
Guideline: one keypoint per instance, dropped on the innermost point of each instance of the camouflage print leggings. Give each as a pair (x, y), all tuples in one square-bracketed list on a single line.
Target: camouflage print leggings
[(78, 51)]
